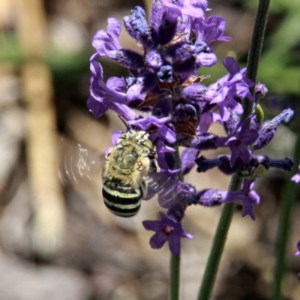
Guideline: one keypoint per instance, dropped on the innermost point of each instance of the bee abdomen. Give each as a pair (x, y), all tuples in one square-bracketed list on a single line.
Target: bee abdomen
[(122, 200)]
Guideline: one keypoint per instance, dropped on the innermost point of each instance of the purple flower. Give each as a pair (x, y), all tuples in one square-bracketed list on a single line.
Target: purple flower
[(167, 159), (159, 128), (176, 193), (247, 197), (164, 96), (296, 177), (268, 129), (228, 91), (103, 97), (239, 142), (297, 253), (260, 90), (192, 8), (169, 230), (204, 55), (210, 30), (188, 158), (106, 44)]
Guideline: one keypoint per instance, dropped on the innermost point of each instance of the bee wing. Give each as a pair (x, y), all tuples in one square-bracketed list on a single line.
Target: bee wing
[(163, 185), (78, 163)]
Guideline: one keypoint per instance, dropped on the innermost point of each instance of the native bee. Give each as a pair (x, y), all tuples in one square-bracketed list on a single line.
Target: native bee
[(125, 170), (130, 171)]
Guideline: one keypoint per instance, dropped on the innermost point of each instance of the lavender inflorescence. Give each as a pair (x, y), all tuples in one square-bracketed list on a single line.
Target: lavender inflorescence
[(165, 95)]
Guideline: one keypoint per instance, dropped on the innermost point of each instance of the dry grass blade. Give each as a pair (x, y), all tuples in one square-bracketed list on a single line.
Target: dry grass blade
[(47, 197)]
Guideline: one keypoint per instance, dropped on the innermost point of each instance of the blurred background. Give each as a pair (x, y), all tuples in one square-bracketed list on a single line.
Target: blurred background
[(57, 240)]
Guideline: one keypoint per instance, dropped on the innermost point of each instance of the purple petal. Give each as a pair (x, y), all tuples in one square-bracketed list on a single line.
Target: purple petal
[(195, 8), (296, 178), (206, 59), (106, 42), (157, 240), (116, 136), (249, 137), (116, 83), (152, 225), (168, 134), (231, 65), (96, 108), (188, 158)]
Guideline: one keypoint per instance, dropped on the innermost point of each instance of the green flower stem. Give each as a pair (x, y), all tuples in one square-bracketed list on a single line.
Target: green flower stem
[(226, 217), (284, 226), (257, 39), (174, 281), (218, 245), (174, 285), (256, 46)]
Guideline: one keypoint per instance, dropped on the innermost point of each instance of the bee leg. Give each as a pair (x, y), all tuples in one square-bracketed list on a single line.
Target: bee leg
[(143, 188)]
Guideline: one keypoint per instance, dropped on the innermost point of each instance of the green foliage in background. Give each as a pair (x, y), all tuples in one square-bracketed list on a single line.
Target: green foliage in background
[(280, 63)]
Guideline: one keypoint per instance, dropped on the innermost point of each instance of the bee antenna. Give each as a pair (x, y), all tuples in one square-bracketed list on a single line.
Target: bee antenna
[(123, 121)]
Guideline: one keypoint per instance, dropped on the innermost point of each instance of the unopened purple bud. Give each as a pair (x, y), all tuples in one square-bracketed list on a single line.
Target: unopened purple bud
[(153, 59), (284, 117), (285, 164), (205, 141), (129, 59), (137, 27), (165, 74), (195, 93), (205, 164), (260, 90), (224, 165), (211, 197), (268, 128)]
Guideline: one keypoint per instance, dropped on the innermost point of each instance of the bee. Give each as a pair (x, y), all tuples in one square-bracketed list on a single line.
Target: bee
[(125, 171), (130, 171)]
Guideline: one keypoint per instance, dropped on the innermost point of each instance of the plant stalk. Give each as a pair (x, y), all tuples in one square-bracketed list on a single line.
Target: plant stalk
[(213, 262), (174, 286), (218, 245), (284, 226)]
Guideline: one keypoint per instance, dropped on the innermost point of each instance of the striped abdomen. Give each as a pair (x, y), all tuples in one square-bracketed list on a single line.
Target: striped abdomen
[(122, 200)]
